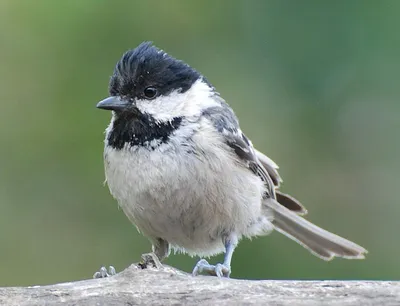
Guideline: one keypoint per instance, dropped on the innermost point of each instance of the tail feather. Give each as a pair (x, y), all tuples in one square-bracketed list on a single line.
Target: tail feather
[(320, 242), (290, 203)]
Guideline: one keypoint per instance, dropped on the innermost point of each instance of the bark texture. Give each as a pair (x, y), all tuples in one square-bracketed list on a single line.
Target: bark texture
[(147, 284)]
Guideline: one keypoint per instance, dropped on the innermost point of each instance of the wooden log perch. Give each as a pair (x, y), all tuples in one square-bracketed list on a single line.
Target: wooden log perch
[(147, 284)]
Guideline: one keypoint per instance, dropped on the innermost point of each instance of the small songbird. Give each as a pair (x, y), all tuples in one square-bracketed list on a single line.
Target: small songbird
[(185, 174)]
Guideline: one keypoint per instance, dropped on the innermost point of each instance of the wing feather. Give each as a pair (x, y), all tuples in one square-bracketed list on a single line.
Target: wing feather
[(227, 124)]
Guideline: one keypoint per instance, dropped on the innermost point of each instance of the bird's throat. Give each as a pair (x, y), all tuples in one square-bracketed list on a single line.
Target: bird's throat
[(140, 131)]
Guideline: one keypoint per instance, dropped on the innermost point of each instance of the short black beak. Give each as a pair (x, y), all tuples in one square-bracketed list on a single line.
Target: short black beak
[(113, 103)]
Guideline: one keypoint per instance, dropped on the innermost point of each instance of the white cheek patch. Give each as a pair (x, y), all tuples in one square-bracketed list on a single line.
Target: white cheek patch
[(176, 104)]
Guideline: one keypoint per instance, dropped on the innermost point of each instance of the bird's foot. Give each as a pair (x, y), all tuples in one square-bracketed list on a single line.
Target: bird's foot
[(103, 273), (219, 270), (150, 260)]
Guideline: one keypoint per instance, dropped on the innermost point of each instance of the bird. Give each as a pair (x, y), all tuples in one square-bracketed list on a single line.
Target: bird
[(185, 174)]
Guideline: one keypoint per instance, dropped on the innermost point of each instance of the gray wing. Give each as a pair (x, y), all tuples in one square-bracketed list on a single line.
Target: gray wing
[(270, 166), (227, 124)]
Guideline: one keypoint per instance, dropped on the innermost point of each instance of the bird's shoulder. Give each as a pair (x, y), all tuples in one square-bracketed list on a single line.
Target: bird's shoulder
[(226, 123)]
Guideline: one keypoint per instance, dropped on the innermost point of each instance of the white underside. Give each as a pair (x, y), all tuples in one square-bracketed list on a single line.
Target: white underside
[(184, 198)]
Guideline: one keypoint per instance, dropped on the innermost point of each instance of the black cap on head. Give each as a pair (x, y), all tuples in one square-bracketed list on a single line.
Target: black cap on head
[(147, 66)]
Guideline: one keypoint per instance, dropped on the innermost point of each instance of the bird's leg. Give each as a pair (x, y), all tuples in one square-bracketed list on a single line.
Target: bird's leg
[(160, 252), (161, 249), (219, 270)]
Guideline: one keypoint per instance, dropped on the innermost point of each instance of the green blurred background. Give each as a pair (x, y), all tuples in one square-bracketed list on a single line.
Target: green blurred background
[(314, 83)]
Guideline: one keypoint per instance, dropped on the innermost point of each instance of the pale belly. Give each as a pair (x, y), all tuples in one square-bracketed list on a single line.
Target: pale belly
[(189, 202)]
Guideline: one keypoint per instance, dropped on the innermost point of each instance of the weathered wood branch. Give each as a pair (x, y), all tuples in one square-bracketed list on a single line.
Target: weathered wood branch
[(168, 286)]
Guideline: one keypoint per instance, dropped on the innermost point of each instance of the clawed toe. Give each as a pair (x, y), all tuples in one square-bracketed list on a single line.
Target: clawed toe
[(200, 266), (103, 273), (219, 270), (222, 270)]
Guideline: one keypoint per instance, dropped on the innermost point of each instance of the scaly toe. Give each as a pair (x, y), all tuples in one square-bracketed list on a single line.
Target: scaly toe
[(219, 270), (222, 270), (103, 273), (201, 266)]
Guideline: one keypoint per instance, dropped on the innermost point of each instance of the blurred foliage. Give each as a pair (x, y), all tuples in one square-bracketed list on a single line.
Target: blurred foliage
[(314, 83)]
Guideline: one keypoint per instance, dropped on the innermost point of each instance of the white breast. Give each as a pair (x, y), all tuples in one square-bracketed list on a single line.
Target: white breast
[(189, 195)]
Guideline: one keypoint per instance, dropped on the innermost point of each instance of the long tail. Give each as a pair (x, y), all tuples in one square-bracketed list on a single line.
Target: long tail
[(318, 241)]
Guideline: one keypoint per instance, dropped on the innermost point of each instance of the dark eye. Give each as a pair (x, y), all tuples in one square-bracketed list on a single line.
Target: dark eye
[(150, 92)]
